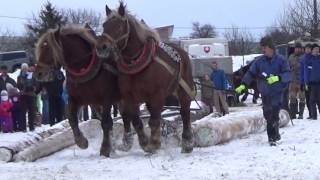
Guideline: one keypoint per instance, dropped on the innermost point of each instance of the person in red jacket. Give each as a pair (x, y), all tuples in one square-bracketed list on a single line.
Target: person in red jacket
[(5, 113)]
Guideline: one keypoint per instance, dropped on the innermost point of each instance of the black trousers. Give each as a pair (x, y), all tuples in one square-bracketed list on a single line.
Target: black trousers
[(56, 107), (314, 99), (271, 107), (28, 106)]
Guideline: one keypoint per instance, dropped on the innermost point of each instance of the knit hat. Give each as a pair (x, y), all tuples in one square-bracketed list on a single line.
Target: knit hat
[(24, 66), (314, 45), (308, 45), (4, 93), (267, 41)]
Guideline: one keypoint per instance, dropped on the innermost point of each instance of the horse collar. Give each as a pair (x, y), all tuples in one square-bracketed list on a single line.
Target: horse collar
[(85, 70), (142, 61)]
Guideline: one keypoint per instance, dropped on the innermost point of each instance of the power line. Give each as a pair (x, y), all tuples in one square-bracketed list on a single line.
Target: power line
[(14, 17)]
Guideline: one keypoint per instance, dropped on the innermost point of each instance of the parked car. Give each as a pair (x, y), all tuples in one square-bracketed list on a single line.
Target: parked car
[(14, 59)]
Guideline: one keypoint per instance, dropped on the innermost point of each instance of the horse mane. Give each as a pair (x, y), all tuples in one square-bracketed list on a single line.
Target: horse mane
[(142, 29), (56, 47)]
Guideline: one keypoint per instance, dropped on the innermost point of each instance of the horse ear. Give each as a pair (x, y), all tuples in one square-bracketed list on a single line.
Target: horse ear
[(122, 9), (57, 32), (108, 10)]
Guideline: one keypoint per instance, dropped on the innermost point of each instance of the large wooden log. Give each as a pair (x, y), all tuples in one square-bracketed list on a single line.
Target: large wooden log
[(57, 141), (208, 131), (12, 146)]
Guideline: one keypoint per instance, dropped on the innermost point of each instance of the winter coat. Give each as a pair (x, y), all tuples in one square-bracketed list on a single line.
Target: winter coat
[(313, 70), (218, 78), (55, 87), (26, 84), (262, 68), (294, 63), (7, 80), (305, 58), (5, 108)]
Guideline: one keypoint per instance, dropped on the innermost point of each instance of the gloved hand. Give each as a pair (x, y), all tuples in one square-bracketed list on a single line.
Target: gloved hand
[(240, 89), (273, 79)]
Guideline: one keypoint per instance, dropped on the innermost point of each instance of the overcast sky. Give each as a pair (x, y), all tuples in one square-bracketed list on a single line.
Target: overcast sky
[(181, 13)]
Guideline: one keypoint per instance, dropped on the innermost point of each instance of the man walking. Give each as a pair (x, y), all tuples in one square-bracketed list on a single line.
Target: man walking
[(273, 74)]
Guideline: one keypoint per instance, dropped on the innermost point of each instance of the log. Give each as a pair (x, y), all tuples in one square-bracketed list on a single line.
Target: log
[(57, 142), (209, 132), (9, 148)]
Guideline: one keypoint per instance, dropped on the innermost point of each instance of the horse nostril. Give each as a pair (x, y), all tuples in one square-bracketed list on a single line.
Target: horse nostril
[(104, 47)]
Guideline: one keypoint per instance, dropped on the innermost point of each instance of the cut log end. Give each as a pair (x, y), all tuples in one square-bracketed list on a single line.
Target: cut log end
[(6, 154)]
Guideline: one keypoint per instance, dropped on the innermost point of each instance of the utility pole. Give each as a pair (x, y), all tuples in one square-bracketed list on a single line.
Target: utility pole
[(315, 19)]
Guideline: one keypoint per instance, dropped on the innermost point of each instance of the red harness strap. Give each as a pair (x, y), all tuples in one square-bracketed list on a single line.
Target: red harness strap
[(141, 62), (83, 71)]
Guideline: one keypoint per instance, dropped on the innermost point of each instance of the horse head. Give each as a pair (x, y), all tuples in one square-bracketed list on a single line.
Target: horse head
[(116, 30), (48, 55), (123, 33)]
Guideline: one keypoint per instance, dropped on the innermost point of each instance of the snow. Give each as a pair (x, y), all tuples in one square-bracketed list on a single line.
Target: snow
[(249, 157), (239, 61)]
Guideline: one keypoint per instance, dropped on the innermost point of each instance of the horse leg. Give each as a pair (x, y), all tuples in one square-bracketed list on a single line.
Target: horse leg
[(132, 112), (127, 140), (106, 124), (79, 139), (154, 124), (187, 135)]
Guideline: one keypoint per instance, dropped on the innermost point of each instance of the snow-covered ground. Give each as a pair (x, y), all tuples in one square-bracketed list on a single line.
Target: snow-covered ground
[(247, 158)]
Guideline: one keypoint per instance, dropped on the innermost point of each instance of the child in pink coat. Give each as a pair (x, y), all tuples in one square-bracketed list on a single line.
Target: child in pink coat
[(5, 113)]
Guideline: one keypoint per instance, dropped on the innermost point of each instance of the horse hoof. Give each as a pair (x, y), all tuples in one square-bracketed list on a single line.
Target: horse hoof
[(82, 142), (127, 142), (152, 148), (105, 153), (187, 146)]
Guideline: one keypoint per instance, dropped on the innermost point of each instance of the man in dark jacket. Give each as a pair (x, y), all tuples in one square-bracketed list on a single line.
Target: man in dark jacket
[(27, 86), (273, 74), (312, 79), (54, 89), (305, 59), (5, 78)]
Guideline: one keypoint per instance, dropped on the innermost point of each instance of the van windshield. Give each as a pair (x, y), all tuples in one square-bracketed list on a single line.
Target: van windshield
[(11, 56)]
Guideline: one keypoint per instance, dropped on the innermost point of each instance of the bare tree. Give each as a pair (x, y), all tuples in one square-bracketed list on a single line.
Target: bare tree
[(240, 42), (203, 31), (83, 16), (300, 17), (281, 35), (10, 42)]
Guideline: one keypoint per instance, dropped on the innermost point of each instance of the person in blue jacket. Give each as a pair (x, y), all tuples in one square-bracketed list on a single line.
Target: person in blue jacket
[(218, 79), (305, 59), (272, 73), (312, 79)]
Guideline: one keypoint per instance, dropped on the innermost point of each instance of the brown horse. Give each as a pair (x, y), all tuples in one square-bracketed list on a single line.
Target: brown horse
[(150, 71), (88, 82)]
